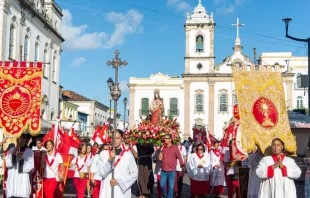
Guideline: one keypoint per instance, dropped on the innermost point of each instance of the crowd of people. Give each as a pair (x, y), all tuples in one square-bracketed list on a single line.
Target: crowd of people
[(139, 166)]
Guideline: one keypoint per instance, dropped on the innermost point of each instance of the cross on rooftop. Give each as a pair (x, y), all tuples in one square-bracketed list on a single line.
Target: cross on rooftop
[(238, 25)]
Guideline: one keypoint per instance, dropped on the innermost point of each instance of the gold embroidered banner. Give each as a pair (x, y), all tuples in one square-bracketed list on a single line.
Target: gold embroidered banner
[(262, 110), (20, 98)]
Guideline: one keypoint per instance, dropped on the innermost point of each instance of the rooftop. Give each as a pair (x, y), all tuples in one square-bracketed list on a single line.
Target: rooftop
[(199, 15)]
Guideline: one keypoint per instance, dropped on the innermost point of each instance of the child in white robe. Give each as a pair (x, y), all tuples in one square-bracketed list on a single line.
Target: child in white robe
[(125, 171), (20, 162), (277, 173), (218, 170)]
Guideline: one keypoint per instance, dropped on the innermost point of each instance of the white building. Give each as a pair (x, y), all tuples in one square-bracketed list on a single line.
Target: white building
[(31, 31), (204, 97)]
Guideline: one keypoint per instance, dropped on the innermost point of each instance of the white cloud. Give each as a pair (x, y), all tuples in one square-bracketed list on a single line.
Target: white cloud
[(123, 86), (226, 10), (180, 5), (76, 37), (78, 61), (124, 25)]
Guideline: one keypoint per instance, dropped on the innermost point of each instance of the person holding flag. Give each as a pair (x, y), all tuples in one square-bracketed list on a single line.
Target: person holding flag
[(125, 170), (53, 162), (82, 170)]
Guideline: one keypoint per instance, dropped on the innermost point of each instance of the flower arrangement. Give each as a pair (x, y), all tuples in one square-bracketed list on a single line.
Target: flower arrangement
[(155, 133)]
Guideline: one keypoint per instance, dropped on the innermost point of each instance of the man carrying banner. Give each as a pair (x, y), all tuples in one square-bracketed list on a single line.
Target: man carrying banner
[(20, 162)]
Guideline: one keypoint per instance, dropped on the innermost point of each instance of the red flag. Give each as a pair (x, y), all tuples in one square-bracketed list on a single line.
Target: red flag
[(104, 133), (96, 137), (49, 135), (74, 136)]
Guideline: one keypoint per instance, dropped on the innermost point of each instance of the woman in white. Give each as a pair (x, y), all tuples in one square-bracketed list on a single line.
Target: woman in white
[(200, 166), (82, 170), (53, 163), (277, 173), (218, 171), (125, 170), (254, 181)]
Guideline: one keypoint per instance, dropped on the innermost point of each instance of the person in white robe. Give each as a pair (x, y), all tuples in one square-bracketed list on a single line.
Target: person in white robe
[(125, 170), (277, 173), (94, 173), (218, 170), (254, 181), (20, 163), (200, 166)]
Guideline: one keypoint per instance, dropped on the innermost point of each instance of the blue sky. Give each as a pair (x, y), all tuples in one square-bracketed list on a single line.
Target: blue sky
[(154, 42)]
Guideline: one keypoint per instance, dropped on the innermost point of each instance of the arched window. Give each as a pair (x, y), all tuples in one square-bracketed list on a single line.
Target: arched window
[(199, 103), (11, 41), (36, 52), (300, 102), (52, 115), (174, 107), (199, 43), (54, 69), (223, 102), (42, 113), (26, 48), (144, 106), (45, 70)]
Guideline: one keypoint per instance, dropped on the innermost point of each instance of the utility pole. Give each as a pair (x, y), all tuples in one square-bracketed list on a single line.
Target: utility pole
[(115, 94), (287, 21)]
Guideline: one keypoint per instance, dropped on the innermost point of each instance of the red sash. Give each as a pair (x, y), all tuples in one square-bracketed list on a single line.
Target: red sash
[(77, 165), (119, 158), (50, 164), (200, 156), (181, 147), (217, 152), (124, 149)]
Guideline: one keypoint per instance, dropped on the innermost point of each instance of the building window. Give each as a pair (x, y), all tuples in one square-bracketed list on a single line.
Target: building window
[(235, 99), (45, 70), (145, 106), (199, 66), (52, 115), (199, 43), (11, 41), (174, 107), (36, 52), (26, 48), (54, 70), (199, 103), (300, 102), (223, 102)]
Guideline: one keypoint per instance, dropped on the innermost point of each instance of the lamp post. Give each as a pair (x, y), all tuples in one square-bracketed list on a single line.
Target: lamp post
[(287, 21), (115, 94), (125, 103)]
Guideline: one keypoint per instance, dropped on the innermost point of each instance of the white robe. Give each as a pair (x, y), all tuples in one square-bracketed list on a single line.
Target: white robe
[(18, 184), (126, 173), (199, 174), (278, 186), (254, 180), (218, 174)]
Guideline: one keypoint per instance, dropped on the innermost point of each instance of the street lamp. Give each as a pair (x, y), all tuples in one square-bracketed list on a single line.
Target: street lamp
[(287, 21), (125, 103), (115, 94)]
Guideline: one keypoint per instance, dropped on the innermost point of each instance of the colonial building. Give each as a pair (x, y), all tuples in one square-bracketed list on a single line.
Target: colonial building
[(204, 96), (31, 32)]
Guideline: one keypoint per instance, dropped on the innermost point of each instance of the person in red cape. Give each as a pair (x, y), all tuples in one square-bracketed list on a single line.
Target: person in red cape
[(200, 166), (218, 171), (53, 163), (82, 170)]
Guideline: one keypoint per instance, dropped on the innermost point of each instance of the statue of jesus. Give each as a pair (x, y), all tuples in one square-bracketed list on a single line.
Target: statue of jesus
[(157, 107)]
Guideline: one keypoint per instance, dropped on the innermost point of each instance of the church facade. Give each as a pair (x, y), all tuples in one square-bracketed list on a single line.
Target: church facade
[(204, 96)]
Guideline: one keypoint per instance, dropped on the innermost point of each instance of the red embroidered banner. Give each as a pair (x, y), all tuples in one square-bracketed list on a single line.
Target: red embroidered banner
[(37, 175), (20, 98)]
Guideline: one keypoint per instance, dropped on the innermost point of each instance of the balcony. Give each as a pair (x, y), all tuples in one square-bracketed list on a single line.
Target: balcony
[(143, 112), (173, 113)]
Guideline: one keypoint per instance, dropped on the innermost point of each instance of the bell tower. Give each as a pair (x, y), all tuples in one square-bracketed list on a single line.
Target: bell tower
[(199, 31)]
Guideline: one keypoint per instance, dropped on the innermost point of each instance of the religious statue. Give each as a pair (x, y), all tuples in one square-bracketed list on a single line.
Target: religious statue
[(157, 107)]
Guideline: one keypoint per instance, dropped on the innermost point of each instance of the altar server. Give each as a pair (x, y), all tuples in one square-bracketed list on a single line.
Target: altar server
[(218, 171), (277, 173), (20, 162), (54, 169), (200, 166), (125, 170)]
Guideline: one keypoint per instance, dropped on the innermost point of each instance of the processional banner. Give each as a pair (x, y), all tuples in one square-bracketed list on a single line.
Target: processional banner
[(262, 110), (20, 97), (37, 175)]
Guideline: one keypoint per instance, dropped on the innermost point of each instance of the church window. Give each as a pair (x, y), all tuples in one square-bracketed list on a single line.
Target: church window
[(45, 71), (54, 69), (199, 43), (26, 48), (223, 102), (199, 66), (300, 102), (174, 107), (199, 103), (144, 106), (11, 41), (36, 52), (235, 99)]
